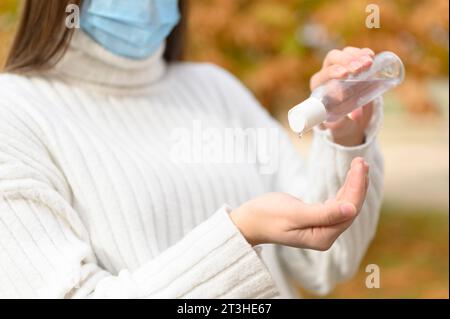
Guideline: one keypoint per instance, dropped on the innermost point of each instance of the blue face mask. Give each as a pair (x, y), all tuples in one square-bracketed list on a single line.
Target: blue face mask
[(132, 29)]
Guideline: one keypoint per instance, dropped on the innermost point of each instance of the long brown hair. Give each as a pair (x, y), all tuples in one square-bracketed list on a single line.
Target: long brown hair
[(42, 37)]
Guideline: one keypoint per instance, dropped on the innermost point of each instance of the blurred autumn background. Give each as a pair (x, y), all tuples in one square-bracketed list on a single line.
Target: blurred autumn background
[(275, 46)]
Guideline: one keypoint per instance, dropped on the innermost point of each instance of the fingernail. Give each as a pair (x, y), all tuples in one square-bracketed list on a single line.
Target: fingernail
[(355, 65), (370, 51), (357, 161), (348, 209)]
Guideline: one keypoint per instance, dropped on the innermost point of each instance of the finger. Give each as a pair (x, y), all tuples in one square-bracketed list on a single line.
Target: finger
[(319, 237), (355, 184), (351, 59), (365, 56), (362, 115), (357, 115), (368, 51), (356, 161), (346, 124), (329, 234), (367, 176), (354, 63), (332, 72), (366, 179), (368, 110), (358, 51), (359, 118), (331, 213), (340, 194), (337, 57)]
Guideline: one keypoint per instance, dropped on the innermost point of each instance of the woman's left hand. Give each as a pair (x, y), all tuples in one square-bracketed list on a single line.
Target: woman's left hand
[(349, 131)]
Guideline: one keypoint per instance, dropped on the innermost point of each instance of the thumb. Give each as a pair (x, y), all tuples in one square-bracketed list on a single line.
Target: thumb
[(330, 213)]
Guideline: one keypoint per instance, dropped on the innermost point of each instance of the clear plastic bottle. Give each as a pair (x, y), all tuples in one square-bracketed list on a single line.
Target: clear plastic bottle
[(338, 97)]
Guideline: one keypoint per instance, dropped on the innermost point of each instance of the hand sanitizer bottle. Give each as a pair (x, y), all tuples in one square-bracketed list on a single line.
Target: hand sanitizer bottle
[(338, 97)]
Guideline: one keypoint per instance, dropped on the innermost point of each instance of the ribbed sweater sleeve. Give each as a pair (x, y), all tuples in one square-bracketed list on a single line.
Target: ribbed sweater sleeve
[(45, 249), (317, 180)]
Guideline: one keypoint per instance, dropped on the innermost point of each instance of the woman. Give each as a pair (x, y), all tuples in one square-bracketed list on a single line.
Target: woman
[(93, 205)]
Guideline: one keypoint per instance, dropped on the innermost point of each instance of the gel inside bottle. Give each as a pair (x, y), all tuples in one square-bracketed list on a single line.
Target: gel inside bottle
[(338, 97)]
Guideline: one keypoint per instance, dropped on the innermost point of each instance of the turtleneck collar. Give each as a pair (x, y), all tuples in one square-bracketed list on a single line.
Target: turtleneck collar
[(88, 64)]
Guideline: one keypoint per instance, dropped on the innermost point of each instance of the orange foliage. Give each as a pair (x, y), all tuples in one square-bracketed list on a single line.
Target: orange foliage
[(258, 41)]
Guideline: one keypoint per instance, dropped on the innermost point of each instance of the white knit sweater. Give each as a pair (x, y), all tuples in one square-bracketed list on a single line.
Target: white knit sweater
[(93, 205)]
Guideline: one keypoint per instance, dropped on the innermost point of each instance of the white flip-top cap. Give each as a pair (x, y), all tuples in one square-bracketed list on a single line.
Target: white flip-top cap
[(306, 115)]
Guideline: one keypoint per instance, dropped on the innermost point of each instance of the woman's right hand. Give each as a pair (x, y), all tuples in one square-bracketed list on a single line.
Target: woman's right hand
[(279, 218)]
